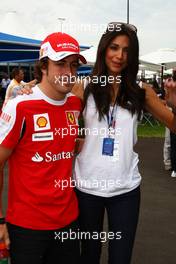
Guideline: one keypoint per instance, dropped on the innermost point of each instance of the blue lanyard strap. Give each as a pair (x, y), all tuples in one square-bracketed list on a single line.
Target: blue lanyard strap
[(111, 117)]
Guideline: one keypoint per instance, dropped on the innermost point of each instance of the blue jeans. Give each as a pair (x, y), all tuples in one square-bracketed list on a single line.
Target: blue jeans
[(122, 211)]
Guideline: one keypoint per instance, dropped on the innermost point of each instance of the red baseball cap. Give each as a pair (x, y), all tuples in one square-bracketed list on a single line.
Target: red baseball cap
[(57, 46)]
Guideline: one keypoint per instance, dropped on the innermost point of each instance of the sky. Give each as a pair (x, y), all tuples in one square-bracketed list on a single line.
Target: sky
[(87, 20)]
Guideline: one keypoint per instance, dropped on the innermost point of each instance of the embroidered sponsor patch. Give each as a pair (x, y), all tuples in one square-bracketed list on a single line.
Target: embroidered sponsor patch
[(42, 136), (41, 122), (72, 118)]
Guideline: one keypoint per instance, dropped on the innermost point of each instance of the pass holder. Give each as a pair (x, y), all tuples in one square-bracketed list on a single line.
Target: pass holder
[(108, 142), (108, 146)]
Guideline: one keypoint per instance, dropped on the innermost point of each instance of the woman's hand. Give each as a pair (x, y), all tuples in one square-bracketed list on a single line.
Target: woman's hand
[(26, 89), (170, 90)]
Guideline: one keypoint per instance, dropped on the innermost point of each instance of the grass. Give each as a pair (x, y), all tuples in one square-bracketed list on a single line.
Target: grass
[(146, 130)]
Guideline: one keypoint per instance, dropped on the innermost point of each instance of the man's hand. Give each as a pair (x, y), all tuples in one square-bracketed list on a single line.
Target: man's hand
[(4, 235)]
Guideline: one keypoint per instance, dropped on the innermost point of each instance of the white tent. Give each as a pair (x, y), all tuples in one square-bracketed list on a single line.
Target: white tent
[(166, 57), (90, 55), (144, 65)]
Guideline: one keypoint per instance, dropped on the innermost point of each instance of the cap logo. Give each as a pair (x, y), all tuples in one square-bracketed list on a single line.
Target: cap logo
[(67, 45)]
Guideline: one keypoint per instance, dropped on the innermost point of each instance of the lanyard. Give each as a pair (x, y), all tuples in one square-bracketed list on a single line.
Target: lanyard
[(112, 116)]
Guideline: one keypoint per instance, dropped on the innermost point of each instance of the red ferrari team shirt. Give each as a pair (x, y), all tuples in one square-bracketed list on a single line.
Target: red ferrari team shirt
[(42, 134)]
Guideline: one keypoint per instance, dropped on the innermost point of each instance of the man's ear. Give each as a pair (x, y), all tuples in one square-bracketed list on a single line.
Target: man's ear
[(44, 71)]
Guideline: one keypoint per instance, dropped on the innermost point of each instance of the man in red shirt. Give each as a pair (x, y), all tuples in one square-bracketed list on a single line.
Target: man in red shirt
[(36, 139)]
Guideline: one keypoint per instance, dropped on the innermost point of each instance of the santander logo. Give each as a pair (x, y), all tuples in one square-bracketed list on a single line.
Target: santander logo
[(37, 157), (50, 157)]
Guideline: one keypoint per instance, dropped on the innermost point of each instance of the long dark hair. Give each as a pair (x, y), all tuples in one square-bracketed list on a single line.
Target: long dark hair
[(130, 95)]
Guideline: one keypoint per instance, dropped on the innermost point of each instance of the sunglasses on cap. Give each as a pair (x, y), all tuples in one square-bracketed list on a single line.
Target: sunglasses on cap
[(117, 26)]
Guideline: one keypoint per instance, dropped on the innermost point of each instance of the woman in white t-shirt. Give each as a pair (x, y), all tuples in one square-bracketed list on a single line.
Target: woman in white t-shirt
[(106, 169)]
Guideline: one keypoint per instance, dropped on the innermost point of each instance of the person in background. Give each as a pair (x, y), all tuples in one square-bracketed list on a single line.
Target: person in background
[(17, 83), (4, 84), (157, 88), (167, 150), (171, 83)]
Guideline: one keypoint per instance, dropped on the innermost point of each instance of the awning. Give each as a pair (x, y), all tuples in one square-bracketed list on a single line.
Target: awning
[(19, 49)]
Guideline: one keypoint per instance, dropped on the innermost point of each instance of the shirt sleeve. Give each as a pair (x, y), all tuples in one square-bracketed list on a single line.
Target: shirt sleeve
[(15, 91), (11, 122)]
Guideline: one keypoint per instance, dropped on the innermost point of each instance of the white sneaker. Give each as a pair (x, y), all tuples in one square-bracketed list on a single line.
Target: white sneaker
[(173, 174)]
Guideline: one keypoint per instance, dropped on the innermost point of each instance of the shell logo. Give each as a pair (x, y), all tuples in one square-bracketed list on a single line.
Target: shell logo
[(42, 121)]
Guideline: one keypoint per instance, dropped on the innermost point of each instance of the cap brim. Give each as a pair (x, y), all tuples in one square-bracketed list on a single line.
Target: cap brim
[(61, 55), (82, 59)]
